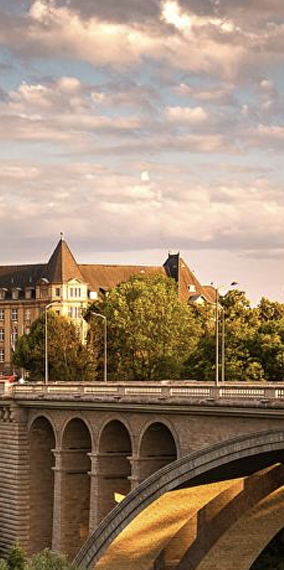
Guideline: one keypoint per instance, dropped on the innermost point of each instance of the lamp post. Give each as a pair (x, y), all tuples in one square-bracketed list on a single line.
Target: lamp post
[(217, 289), (105, 341), (46, 342)]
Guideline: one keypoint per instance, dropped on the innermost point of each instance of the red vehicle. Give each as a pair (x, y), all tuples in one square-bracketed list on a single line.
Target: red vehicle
[(10, 379)]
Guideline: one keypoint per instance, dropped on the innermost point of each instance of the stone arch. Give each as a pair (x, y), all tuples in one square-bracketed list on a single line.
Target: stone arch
[(116, 417), (76, 447), (113, 465), (157, 448), (41, 483), (49, 418), (228, 459), (66, 422)]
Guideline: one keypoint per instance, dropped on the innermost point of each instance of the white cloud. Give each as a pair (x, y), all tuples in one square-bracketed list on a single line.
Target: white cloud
[(193, 115), (145, 176)]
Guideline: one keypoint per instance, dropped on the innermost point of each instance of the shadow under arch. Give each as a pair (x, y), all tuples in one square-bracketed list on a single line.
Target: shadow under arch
[(114, 453), (41, 481), (232, 458), (157, 448), (75, 485)]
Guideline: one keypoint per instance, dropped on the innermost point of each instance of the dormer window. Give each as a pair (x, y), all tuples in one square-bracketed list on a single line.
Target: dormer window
[(3, 292), (44, 292), (16, 292), (28, 292)]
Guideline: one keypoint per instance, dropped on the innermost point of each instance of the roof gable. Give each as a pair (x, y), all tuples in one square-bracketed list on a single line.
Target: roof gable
[(62, 265)]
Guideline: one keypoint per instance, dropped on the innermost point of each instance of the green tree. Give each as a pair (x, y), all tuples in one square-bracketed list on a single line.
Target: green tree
[(242, 323), (268, 342), (241, 326), (44, 560), (150, 333), (49, 560), (17, 558), (68, 358)]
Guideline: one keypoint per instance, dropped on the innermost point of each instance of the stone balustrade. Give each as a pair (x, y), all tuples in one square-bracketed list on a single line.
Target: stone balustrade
[(167, 389)]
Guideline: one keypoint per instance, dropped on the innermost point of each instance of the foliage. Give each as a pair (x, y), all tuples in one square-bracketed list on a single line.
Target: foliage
[(49, 560), (68, 358), (44, 560), (16, 558), (150, 333)]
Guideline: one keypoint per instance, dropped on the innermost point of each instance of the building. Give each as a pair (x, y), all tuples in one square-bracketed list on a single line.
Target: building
[(26, 290)]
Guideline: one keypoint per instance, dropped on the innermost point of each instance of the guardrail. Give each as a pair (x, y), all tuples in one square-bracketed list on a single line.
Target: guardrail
[(150, 390)]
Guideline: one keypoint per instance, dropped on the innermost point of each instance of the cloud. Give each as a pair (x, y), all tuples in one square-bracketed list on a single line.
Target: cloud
[(184, 39), (163, 211), (193, 115)]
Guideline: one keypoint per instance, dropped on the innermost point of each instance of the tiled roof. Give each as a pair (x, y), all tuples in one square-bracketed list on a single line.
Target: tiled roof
[(210, 293), (107, 276), (20, 275), (62, 265)]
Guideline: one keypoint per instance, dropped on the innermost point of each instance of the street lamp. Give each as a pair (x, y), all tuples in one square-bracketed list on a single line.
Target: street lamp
[(217, 289), (46, 342), (105, 341)]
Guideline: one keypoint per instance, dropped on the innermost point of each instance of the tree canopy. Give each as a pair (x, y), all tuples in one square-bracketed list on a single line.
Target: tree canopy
[(68, 358), (154, 336), (150, 333)]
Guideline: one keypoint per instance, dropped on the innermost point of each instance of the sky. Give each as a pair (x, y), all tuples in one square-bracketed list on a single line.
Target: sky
[(138, 127)]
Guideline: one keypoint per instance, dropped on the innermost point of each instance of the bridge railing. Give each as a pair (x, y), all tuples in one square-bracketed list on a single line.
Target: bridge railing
[(151, 390)]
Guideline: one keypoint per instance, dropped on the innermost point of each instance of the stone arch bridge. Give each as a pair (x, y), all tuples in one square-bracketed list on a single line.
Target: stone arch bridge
[(69, 452)]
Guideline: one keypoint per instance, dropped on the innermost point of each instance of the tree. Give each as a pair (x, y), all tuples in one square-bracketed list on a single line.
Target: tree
[(44, 560), (16, 558), (268, 343), (241, 326), (68, 358), (150, 333)]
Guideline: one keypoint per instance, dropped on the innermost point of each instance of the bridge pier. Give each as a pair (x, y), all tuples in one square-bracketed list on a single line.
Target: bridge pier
[(57, 502), (14, 477)]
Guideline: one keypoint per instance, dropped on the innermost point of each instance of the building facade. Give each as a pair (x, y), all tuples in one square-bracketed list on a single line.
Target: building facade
[(26, 290)]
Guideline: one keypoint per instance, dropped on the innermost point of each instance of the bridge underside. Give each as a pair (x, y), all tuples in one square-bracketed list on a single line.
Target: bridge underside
[(221, 516), (204, 527)]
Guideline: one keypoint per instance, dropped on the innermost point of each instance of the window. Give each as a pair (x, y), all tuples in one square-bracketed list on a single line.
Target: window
[(77, 312), (27, 330), (74, 312), (75, 292), (2, 335), (57, 291), (14, 314), (14, 336), (2, 355), (28, 293), (2, 315), (27, 315), (44, 292), (15, 293), (191, 288), (2, 293)]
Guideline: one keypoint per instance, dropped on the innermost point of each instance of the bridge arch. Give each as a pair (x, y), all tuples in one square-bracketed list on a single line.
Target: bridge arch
[(115, 449), (65, 424), (157, 447), (42, 441), (229, 459), (76, 448)]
